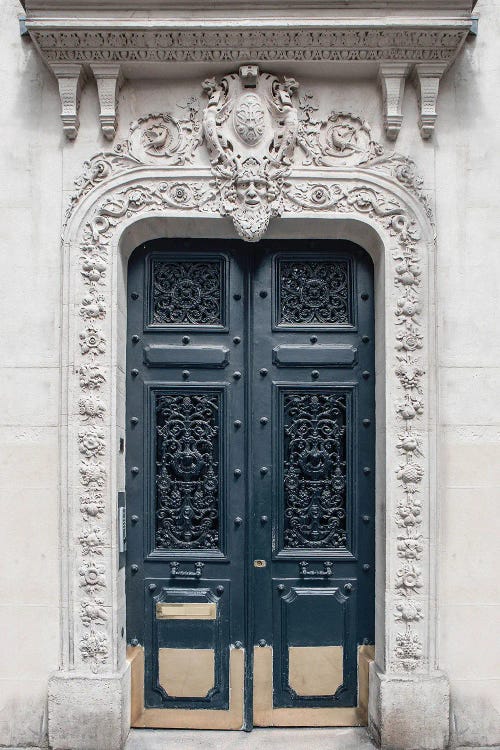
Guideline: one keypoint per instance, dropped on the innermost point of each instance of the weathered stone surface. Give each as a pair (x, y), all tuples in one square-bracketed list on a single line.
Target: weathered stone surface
[(408, 713), (89, 712)]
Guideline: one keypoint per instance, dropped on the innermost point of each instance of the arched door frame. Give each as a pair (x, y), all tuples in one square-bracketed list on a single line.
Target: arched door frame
[(389, 220)]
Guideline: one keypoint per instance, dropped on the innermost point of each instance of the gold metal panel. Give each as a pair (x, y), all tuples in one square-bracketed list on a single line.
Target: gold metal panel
[(186, 672), (315, 670), (186, 611), (184, 718)]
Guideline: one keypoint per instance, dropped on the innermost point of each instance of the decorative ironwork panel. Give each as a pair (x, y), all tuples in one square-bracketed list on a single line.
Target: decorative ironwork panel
[(315, 483), (188, 465), (187, 292), (314, 293)]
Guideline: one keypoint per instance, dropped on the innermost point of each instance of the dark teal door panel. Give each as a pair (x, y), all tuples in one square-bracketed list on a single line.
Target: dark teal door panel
[(250, 462)]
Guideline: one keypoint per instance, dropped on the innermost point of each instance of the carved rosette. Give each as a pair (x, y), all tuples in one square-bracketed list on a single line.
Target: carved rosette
[(407, 580)]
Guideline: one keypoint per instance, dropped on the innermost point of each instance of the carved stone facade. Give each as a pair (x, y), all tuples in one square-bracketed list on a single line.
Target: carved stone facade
[(270, 156), (265, 134)]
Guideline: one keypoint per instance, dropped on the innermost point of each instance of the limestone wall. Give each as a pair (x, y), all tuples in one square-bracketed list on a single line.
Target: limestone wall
[(37, 169)]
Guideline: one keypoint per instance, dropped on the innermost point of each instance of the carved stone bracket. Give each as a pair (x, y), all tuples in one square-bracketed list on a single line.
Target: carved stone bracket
[(392, 78), (70, 78), (109, 80), (146, 40), (427, 79)]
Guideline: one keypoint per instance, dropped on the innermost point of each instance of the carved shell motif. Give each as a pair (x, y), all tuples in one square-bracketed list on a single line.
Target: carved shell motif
[(249, 119)]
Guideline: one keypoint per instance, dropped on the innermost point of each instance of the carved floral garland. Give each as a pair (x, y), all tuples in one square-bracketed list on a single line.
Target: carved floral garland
[(297, 195)]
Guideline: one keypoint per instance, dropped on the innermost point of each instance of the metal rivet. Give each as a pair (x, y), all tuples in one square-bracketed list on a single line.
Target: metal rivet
[(263, 372), (134, 420), (262, 643), (186, 374), (237, 297), (348, 588), (263, 294), (237, 472), (264, 420), (237, 375), (134, 519), (366, 422), (238, 521), (220, 590), (365, 296), (134, 373), (366, 567), (280, 586), (237, 423), (365, 339), (315, 374), (313, 339), (185, 340), (366, 470), (134, 568), (134, 469), (236, 340), (134, 642), (152, 586), (135, 338), (366, 519), (366, 374), (264, 520), (264, 470), (238, 644), (135, 295)]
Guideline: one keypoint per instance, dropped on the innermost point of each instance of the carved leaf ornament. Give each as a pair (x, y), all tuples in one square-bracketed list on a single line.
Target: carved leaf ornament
[(254, 137)]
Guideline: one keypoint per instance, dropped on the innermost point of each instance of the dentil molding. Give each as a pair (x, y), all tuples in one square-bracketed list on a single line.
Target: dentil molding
[(112, 39)]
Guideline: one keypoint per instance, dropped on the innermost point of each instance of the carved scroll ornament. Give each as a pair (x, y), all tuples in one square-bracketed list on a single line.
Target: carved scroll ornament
[(255, 136)]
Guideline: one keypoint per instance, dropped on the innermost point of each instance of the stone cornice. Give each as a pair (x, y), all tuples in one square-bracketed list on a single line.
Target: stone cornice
[(76, 38), (305, 7)]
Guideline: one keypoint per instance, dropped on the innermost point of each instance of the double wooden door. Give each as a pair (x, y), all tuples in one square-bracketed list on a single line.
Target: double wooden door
[(250, 482)]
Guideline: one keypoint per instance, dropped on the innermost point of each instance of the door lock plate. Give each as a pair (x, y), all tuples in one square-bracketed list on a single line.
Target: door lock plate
[(259, 563)]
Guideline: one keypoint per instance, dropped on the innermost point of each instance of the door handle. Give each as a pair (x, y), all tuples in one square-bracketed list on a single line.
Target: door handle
[(327, 571), (176, 572)]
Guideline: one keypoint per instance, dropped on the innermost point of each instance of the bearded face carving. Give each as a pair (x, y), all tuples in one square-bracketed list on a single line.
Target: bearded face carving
[(249, 201), (250, 151)]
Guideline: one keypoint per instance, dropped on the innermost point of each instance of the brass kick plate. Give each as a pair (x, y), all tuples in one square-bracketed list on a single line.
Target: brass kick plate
[(186, 611)]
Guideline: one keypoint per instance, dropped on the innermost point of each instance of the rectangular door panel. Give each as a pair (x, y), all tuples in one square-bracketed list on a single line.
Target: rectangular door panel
[(187, 665), (314, 644)]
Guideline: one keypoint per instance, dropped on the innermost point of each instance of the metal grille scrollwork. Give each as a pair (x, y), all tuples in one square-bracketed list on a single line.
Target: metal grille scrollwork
[(315, 481), (314, 293), (187, 293), (188, 470)]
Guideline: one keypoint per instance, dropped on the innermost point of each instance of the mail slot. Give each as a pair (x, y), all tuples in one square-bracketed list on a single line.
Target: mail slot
[(186, 611)]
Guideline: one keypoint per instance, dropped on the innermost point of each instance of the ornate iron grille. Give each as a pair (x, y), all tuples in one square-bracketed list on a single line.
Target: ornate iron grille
[(187, 293), (188, 470), (314, 293), (315, 470)]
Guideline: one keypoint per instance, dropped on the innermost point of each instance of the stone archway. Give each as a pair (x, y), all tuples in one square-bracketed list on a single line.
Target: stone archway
[(365, 195)]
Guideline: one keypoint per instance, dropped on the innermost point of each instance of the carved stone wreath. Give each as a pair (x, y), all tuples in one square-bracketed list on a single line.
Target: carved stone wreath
[(342, 138)]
